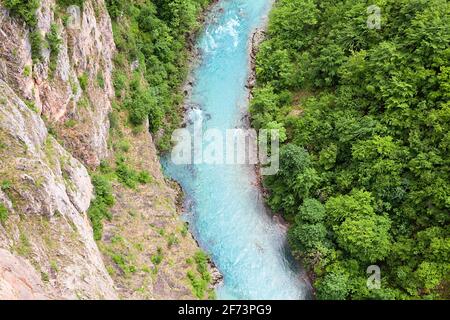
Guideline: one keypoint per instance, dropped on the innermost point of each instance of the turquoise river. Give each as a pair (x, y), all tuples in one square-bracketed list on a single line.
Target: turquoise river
[(224, 206)]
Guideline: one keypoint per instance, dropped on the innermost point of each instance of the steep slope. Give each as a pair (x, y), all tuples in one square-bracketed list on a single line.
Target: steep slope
[(70, 83), (147, 248), (46, 193), (55, 111)]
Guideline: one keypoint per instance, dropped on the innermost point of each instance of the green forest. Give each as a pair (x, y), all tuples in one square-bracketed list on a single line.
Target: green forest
[(364, 119)]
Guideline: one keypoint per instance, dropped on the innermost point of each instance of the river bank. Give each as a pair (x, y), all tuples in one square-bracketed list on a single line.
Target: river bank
[(258, 37), (224, 207)]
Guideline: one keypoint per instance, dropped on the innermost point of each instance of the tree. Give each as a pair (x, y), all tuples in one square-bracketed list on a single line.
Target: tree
[(366, 238), (264, 106), (292, 18), (306, 237), (297, 182), (333, 286), (354, 206), (311, 211)]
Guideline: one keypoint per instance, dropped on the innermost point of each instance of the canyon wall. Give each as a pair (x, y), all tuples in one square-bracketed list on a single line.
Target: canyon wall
[(54, 126)]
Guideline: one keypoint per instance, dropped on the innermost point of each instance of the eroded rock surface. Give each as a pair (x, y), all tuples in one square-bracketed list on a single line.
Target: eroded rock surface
[(77, 86), (47, 249), (46, 193), (18, 279)]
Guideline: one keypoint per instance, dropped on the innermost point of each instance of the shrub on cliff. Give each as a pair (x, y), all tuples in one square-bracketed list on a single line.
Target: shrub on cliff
[(66, 3), (24, 9), (54, 42), (3, 213), (99, 209)]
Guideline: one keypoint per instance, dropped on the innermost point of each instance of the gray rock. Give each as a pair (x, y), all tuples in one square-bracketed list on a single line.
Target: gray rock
[(52, 191)]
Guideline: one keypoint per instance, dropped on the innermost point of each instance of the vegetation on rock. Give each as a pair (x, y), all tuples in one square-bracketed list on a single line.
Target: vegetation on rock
[(26, 11), (151, 38)]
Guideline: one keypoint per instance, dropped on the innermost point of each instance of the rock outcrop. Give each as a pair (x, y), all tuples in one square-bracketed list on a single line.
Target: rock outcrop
[(18, 279), (46, 193), (77, 85), (48, 247), (54, 124)]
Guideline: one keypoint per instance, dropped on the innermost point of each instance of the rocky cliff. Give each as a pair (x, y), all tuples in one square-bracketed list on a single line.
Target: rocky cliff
[(46, 193), (71, 91), (54, 129)]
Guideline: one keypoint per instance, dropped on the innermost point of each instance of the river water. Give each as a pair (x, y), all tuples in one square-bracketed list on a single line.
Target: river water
[(225, 208)]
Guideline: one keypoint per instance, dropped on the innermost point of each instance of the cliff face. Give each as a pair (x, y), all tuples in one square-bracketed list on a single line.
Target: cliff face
[(54, 124), (45, 190), (76, 87), (46, 193)]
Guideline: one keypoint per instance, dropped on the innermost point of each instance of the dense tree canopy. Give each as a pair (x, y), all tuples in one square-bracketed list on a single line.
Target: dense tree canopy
[(151, 36), (365, 166)]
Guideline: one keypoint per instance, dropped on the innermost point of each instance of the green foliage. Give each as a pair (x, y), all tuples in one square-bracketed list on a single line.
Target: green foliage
[(199, 286), (6, 185), (152, 37), (119, 82), (172, 240), (3, 214), (83, 80), (66, 3), (23, 248), (144, 177), (158, 257), (364, 168), (54, 265), (54, 40), (140, 105), (334, 286), (84, 102), (201, 259), (45, 277), (123, 263), (129, 176), (307, 237), (113, 120), (125, 174), (99, 209), (36, 41), (200, 283), (289, 189), (311, 211), (184, 230), (366, 239), (70, 123), (24, 9), (116, 7), (124, 145), (100, 80), (27, 71), (31, 105)]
